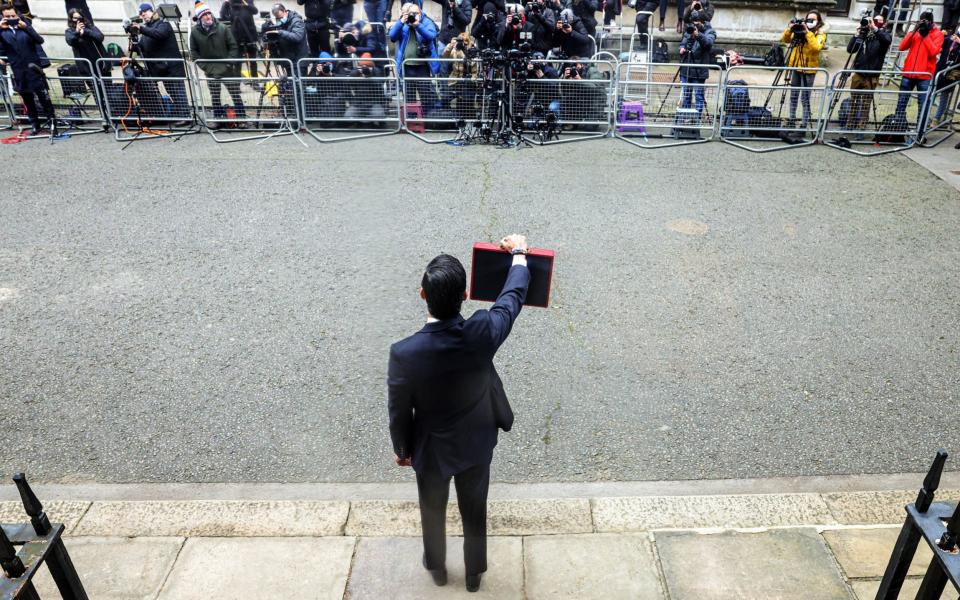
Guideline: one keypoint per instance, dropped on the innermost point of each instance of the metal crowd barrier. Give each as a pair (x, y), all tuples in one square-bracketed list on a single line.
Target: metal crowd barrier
[(73, 90), (456, 97), (143, 100), (865, 121), (761, 112), (942, 108), (582, 107), (237, 106), (7, 110), (357, 98), (653, 103)]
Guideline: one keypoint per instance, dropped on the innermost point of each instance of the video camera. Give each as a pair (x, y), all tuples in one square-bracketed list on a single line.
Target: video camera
[(128, 25), (798, 25)]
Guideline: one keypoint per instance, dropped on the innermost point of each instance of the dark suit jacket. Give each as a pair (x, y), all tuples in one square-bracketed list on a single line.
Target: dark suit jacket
[(442, 384)]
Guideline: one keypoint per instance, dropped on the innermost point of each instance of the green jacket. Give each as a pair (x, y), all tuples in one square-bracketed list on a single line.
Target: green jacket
[(218, 43)]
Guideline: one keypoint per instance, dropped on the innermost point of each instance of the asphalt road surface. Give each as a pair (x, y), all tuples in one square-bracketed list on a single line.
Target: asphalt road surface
[(187, 311)]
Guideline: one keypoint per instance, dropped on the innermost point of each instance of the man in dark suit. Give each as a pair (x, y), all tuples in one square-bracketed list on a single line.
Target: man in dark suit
[(446, 403)]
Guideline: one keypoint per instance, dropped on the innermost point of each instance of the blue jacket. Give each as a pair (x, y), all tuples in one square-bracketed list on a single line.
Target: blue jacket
[(22, 47), (442, 385), (426, 33), (699, 53)]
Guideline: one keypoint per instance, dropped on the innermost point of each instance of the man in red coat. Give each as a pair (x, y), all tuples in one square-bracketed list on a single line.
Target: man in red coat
[(922, 44)]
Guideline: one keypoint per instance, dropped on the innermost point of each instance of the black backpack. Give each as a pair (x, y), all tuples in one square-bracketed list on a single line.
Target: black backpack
[(661, 52), (890, 130), (774, 56), (68, 85)]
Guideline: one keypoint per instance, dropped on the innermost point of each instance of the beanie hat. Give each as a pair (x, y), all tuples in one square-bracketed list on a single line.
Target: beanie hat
[(145, 7), (200, 9)]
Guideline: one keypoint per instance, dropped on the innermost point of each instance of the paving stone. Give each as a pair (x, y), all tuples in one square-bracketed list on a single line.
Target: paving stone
[(867, 590), (390, 568), (876, 508), (504, 517), (864, 552), (117, 568), (214, 519), (215, 568), (691, 512), (785, 564), (584, 567), (65, 512)]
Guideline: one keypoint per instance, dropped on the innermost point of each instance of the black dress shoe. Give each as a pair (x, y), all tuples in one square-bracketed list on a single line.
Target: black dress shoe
[(473, 583), (439, 575)]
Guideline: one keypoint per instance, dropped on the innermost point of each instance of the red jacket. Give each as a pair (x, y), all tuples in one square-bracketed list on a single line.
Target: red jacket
[(923, 51)]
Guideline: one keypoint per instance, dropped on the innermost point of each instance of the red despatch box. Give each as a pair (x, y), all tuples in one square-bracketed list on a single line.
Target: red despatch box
[(489, 271)]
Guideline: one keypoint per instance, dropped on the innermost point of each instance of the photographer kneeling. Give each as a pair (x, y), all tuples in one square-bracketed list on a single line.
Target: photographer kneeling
[(157, 41), (870, 46), (583, 95), (212, 40), (695, 49)]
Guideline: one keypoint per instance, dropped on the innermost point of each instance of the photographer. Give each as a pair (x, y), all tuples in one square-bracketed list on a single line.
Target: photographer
[(415, 35), (701, 6), (543, 21), (922, 43), (455, 18), (695, 49), (585, 11), (583, 100), (870, 46), (210, 40), (357, 39), (21, 45), (317, 25), (463, 87), (288, 35), (571, 36), (485, 27), (86, 41), (240, 13), (365, 96), (805, 56), (514, 30), (949, 58), (157, 41)]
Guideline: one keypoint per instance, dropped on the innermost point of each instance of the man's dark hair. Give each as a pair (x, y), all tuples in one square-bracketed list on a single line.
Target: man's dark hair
[(443, 284)]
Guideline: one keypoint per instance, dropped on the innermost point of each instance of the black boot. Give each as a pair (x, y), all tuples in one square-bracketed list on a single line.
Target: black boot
[(473, 582), (439, 575)]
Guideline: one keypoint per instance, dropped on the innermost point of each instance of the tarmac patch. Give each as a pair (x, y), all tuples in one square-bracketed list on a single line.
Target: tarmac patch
[(688, 227)]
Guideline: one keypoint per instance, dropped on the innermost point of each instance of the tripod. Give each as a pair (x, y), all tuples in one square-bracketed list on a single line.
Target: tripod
[(284, 81), (502, 127)]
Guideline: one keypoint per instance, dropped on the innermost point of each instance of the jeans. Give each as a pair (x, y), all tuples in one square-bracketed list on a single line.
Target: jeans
[(233, 88), (799, 79), (375, 10), (695, 90), (342, 15), (946, 100), (908, 84)]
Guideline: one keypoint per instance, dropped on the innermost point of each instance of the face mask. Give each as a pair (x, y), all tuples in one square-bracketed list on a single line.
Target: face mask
[(811, 23), (282, 21)]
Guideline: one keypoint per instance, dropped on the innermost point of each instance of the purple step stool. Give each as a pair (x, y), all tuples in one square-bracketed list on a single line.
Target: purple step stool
[(630, 119)]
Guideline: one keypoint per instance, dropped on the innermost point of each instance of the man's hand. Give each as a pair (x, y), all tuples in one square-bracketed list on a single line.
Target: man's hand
[(514, 241), (402, 462)]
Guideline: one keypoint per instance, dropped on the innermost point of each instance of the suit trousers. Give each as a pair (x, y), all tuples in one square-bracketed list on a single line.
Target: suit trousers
[(434, 489)]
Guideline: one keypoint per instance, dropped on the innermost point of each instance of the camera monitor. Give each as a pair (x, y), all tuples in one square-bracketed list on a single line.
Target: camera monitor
[(489, 272), (169, 11)]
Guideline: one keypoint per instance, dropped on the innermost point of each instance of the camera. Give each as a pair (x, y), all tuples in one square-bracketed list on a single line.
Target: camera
[(411, 19), (12, 22), (488, 17), (326, 68), (697, 7), (458, 44), (533, 7), (473, 52), (515, 19), (364, 71), (268, 26), (690, 29), (349, 39), (128, 27)]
